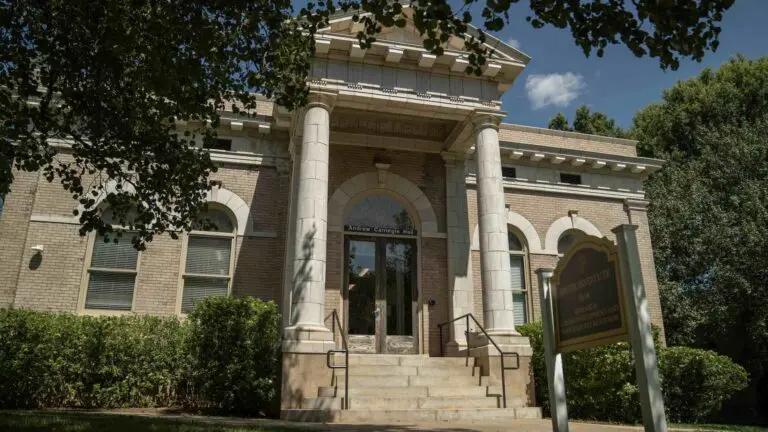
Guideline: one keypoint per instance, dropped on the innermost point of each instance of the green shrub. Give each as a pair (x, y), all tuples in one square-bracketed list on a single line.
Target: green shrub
[(235, 352), (697, 382), (63, 360), (225, 356), (600, 382)]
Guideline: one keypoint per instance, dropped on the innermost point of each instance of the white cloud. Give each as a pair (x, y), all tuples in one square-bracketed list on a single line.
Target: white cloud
[(514, 43), (554, 89)]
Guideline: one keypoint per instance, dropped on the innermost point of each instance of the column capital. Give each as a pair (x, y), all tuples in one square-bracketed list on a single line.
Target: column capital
[(454, 158), (487, 119), (631, 204), (322, 98), (621, 229)]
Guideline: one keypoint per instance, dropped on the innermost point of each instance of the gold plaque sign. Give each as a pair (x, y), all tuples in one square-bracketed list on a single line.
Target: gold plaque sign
[(587, 296)]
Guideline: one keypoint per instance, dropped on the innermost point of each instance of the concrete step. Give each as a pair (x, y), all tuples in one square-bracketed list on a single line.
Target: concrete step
[(443, 381), (447, 371), (383, 370), (409, 415), (322, 403), (470, 391), (411, 391), (401, 360), (404, 403), (359, 381), (371, 370), (421, 392), (372, 381), (331, 391), (458, 402)]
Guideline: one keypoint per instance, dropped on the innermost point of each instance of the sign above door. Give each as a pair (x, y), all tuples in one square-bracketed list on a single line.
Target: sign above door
[(379, 230)]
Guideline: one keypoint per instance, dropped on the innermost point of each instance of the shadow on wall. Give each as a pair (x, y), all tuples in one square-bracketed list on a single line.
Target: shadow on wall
[(302, 281), (35, 261), (260, 258)]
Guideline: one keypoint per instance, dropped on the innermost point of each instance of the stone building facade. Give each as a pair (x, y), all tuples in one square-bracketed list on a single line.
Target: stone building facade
[(397, 198)]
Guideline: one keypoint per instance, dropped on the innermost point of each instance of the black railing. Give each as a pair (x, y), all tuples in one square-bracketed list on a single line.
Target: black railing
[(344, 350), (467, 317)]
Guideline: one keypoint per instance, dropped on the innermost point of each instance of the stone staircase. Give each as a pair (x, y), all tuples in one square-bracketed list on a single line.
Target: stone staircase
[(410, 388)]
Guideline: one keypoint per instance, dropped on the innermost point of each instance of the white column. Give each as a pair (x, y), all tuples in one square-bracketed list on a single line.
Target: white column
[(640, 333), (555, 377), (459, 259), (492, 214), (310, 232)]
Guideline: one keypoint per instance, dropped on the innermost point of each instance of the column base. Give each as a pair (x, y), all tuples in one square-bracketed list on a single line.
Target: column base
[(303, 338), (455, 349), (519, 382), (480, 346)]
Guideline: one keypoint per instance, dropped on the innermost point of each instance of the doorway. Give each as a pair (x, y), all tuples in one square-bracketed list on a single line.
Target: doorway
[(381, 295)]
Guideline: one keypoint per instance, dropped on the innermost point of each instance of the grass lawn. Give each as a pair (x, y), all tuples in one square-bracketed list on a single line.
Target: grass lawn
[(36, 421), (59, 421), (718, 427)]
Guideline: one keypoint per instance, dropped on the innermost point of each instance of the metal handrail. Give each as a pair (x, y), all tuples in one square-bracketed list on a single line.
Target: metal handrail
[(488, 337), (344, 350)]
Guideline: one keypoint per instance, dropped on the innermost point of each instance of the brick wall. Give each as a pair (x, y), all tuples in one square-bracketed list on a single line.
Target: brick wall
[(334, 277), (157, 283), (567, 140), (14, 223), (648, 267), (425, 170), (434, 281), (542, 209), (52, 280)]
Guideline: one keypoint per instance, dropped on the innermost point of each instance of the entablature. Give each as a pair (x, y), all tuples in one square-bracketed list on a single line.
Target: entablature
[(576, 160)]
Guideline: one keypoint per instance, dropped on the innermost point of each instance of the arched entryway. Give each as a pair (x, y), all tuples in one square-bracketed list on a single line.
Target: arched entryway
[(381, 275)]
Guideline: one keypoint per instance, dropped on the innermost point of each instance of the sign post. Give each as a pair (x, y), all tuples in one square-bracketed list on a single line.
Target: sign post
[(554, 360), (640, 332), (596, 296)]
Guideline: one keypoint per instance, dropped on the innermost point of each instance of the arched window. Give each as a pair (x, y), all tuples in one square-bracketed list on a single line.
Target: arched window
[(517, 260), (112, 268), (567, 239), (208, 258), (380, 214)]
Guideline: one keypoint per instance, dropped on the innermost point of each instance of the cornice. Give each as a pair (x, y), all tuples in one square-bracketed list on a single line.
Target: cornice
[(512, 152), (576, 190)]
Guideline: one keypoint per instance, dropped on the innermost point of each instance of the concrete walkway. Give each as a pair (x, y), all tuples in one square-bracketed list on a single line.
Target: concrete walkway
[(475, 426)]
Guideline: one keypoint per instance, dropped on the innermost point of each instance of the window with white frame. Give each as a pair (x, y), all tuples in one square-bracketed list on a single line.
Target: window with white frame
[(517, 261), (209, 258), (112, 273)]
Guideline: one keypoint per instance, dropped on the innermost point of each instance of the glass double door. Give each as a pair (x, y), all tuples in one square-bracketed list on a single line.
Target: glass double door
[(381, 295)]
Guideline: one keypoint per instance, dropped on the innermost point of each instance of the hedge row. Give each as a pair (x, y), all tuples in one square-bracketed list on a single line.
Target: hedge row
[(600, 382), (223, 357)]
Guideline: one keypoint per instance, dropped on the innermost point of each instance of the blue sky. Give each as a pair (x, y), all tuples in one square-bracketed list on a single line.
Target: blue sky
[(618, 84)]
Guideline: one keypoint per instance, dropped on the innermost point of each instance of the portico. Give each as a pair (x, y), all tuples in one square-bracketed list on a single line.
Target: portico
[(401, 217)]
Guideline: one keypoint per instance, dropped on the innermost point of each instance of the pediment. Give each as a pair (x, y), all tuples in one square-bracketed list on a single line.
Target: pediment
[(343, 26)]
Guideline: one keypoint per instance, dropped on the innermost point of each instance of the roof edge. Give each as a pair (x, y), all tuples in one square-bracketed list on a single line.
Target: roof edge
[(568, 134)]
